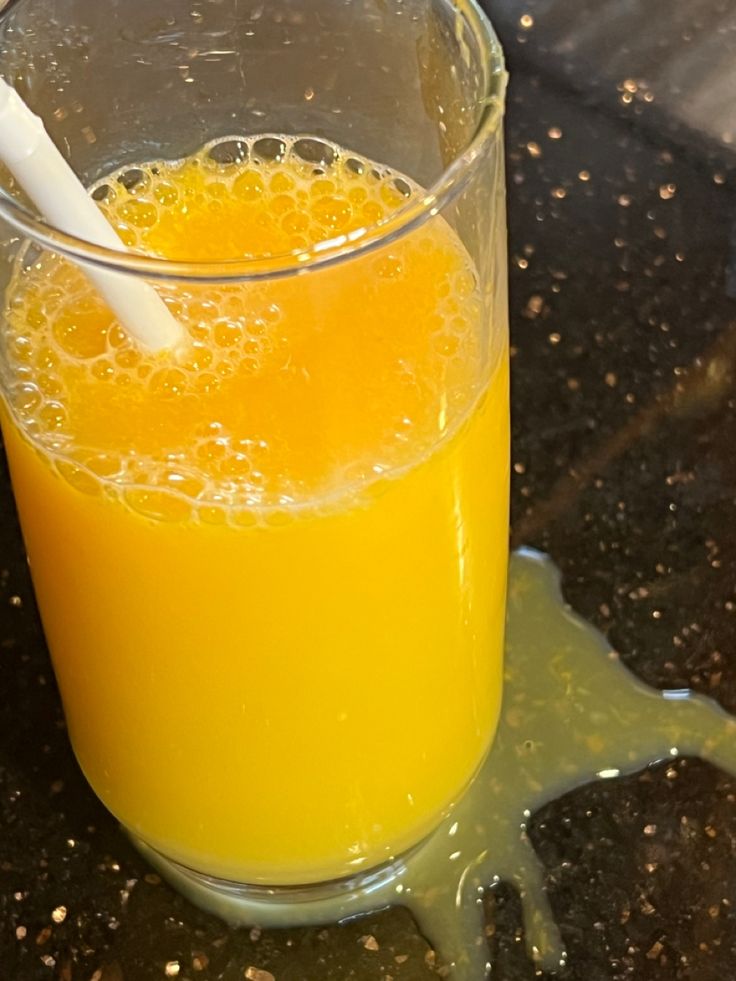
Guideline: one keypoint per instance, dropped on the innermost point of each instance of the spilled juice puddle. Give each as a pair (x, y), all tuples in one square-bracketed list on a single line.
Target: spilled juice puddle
[(572, 714)]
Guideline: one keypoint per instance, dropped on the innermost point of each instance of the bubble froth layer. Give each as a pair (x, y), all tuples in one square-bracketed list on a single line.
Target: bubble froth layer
[(288, 393)]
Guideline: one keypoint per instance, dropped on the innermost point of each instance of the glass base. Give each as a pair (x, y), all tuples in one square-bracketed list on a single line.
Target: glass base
[(241, 904)]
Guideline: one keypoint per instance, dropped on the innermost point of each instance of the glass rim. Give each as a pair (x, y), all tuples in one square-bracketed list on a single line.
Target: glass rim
[(321, 254)]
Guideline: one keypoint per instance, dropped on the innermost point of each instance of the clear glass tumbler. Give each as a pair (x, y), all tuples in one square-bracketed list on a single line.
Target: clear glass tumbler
[(271, 562)]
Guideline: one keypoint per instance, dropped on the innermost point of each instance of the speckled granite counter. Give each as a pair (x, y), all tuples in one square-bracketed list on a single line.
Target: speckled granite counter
[(624, 402)]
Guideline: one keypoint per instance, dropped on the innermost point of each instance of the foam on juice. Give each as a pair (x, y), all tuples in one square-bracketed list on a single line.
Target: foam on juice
[(265, 407)]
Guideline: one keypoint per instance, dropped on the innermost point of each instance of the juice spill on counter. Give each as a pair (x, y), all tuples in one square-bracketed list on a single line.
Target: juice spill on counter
[(572, 714)]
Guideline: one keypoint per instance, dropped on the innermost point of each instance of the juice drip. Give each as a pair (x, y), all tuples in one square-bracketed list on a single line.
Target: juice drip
[(571, 714)]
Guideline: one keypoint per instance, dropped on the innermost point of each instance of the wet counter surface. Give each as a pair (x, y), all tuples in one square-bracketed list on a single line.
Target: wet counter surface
[(624, 471)]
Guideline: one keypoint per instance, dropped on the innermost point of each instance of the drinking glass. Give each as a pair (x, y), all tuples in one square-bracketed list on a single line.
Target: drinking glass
[(270, 564)]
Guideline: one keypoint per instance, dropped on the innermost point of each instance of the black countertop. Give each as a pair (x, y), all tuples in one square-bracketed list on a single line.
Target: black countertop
[(624, 426)]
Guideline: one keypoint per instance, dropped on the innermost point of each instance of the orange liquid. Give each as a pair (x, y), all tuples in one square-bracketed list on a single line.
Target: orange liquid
[(271, 567)]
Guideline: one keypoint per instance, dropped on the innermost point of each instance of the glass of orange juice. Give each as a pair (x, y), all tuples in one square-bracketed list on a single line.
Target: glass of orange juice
[(270, 562)]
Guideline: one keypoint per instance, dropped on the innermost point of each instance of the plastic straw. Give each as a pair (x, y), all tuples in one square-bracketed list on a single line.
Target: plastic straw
[(48, 180)]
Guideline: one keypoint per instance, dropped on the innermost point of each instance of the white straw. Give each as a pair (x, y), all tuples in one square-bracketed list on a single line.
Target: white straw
[(33, 159)]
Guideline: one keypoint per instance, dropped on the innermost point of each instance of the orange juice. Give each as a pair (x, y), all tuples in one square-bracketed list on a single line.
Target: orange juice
[(270, 565)]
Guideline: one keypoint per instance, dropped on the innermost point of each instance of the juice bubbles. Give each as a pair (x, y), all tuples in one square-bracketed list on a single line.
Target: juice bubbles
[(271, 565)]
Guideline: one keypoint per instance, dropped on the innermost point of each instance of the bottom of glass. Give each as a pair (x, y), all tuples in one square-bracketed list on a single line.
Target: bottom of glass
[(243, 904)]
